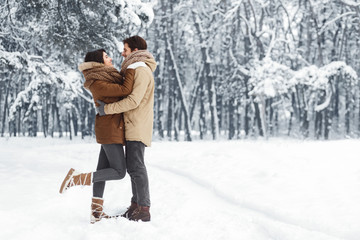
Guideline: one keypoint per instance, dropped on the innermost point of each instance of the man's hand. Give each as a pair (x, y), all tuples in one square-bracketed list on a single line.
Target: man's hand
[(100, 109)]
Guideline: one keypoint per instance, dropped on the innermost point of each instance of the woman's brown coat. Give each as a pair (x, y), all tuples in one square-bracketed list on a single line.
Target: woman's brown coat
[(105, 84)]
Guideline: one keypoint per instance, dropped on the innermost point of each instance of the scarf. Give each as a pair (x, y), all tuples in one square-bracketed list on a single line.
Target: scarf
[(136, 56), (100, 72)]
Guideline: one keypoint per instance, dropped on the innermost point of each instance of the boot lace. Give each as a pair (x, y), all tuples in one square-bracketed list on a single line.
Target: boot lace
[(97, 211), (136, 212), (79, 180)]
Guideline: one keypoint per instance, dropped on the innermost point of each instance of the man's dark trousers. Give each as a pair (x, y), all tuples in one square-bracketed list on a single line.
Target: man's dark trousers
[(136, 168)]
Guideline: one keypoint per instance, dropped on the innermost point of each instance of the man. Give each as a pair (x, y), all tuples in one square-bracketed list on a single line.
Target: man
[(138, 115)]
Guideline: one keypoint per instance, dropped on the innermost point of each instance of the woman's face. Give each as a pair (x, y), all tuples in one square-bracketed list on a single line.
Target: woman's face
[(107, 60)]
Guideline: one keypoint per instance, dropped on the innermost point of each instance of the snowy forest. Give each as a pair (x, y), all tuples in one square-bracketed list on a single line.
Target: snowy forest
[(227, 69)]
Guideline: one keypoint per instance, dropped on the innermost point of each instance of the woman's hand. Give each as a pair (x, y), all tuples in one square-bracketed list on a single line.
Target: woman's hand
[(100, 109)]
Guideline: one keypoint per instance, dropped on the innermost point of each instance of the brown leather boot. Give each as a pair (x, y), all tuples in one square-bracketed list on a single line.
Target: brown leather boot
[(97, 210), (130, 210), (73, 178), (141, 213)]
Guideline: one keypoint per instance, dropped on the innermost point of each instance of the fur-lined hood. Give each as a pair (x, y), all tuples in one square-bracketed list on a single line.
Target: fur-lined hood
[(94, 71), (89, 65)]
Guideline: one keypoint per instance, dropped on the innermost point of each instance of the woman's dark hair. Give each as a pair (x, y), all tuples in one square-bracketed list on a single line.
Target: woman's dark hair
[(95, 56), (136, 42)]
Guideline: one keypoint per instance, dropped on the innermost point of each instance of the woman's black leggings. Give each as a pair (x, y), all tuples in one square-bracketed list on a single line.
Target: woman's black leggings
[(111, 166)]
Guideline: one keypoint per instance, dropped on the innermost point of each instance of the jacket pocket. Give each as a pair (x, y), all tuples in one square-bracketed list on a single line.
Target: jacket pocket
[(115, 122), (129, 118)]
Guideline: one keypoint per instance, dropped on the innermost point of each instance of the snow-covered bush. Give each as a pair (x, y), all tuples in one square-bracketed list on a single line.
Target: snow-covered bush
[(269, 79)]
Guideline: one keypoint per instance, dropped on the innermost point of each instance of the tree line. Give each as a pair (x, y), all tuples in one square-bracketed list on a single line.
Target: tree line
[(226, 69)]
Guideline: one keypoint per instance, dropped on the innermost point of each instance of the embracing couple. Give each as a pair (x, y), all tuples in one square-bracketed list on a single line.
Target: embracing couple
[(124, 103)]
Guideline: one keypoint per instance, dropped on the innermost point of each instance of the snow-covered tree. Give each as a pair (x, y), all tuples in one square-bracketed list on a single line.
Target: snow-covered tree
[(227, 68), (41, 44)]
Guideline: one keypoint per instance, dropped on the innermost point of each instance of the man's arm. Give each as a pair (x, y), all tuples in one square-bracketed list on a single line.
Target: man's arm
[(133, 100), (108, 89)]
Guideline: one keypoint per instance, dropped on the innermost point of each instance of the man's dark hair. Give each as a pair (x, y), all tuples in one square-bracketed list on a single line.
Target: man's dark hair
[(95, 56), (136, 42)]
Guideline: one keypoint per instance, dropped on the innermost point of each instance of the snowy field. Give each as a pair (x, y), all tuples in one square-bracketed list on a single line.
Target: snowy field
[(250, 190)]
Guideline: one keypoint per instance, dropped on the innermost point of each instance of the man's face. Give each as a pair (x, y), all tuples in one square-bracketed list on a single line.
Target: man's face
[(127, 50)]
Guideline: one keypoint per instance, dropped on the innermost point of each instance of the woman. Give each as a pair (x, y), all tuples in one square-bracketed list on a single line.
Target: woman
[(106, 84)]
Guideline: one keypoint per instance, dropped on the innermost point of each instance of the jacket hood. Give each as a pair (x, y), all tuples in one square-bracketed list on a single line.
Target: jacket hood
[(89, 65), (151, 63)]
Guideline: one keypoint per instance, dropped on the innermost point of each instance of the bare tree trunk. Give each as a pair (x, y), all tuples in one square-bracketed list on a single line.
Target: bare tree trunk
[(290, 123), (45, 113), (82, 117), (319, 117), (238, 120), (318, 124), (67, 124), (270, 111), (347, 113), (202, 119), (358, 102), (74, 121), (294, 111), (262, 115), (43, 121), (34, 122), (195, 93), (231, 112), (258, 119), (1, 95), (91, 115), (160, 110), (57, 118), (220, 110), (181, 93), (170, 108), (6, 108), (18, 121), (209, 79), (211, 94), (176, 122), (53, 117), (327, 123), (247, 117), (305, 124), (303, 111), (159, 72), (213, 111), (12, 128), (170, 77)]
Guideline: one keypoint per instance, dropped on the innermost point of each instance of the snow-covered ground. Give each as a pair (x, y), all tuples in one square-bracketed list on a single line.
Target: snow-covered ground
[(252, 190)]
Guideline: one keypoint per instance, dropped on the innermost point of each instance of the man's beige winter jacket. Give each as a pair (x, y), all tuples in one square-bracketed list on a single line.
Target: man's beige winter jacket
[(138, 107)]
